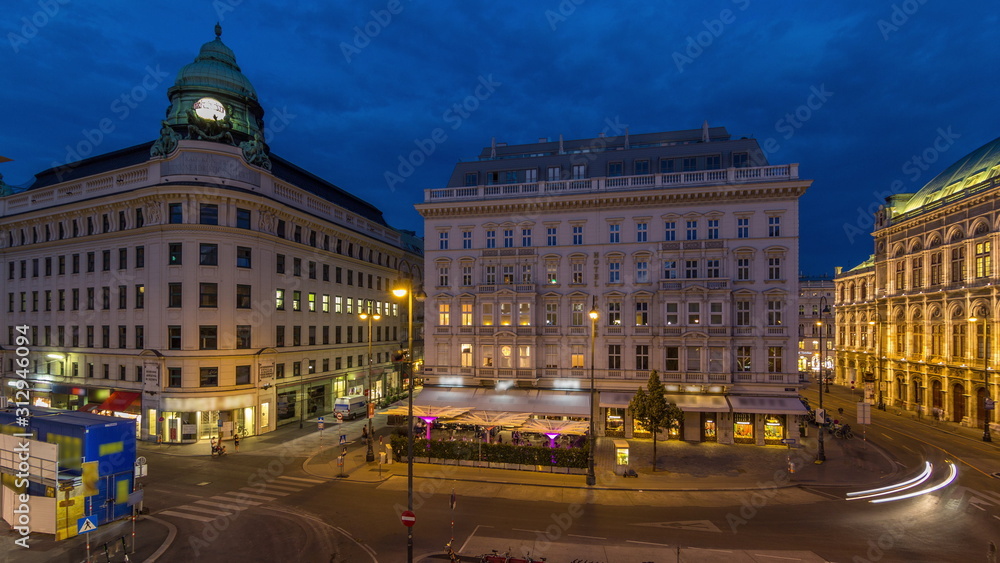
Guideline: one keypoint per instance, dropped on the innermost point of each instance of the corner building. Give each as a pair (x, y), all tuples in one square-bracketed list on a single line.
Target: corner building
[(685, 243), (200, 283)]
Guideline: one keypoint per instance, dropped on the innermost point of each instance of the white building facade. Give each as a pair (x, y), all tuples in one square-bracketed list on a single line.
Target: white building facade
[(685, 243), (200, 283)]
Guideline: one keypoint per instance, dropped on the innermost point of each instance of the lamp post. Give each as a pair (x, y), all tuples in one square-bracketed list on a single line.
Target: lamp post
[(370, 454), (591, 478), (823, 308), (408, 292), (986, 373)]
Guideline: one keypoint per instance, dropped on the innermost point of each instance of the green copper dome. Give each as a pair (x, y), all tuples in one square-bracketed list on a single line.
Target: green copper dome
[(973, 168), (215, 68)]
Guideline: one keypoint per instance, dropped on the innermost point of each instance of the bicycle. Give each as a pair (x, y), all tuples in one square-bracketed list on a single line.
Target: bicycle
[(844, 432)]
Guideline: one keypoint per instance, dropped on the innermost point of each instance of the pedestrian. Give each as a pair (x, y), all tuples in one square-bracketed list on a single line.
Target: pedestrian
[(364, 433), (212, 442), (236, 442)]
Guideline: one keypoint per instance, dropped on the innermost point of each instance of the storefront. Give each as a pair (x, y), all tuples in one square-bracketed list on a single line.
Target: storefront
[(774, 429), (709, 427), (765, 420), (189, 419), (743, 431), (614, 422)]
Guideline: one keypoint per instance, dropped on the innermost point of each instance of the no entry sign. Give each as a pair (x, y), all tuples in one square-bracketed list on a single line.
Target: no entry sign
[(408, 518)]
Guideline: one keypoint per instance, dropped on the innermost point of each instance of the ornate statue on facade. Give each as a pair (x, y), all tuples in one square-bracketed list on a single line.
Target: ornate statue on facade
[(166, 143), (255, 153), (267, 222), (152, 211), (5, 189), (201, 129)]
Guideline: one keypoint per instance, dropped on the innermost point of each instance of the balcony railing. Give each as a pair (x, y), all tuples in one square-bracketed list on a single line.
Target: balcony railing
[(618, 183)]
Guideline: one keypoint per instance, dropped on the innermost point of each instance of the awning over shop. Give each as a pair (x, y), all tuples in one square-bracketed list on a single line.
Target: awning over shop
[(700, 403), (120, 401), (531, 401), (767, 405), (689, 403)]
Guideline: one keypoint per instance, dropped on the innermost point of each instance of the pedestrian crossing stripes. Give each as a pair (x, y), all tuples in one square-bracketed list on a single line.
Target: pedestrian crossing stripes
[(227, 504)]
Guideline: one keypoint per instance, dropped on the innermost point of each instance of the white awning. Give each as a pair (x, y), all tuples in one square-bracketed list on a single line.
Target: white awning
[(687, 403), (700, 403), (531, 401), (767, 405)]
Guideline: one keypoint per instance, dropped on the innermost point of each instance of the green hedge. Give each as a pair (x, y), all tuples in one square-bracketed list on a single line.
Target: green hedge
[(495, 453)]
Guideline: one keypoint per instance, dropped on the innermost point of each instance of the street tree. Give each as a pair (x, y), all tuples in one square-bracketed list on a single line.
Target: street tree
[(650, 407)]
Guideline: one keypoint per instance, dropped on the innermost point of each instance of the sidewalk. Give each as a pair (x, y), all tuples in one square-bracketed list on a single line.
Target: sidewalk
[(682, 466)]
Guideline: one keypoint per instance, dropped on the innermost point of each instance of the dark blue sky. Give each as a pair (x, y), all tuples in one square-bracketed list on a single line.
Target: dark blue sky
[(853, 90)]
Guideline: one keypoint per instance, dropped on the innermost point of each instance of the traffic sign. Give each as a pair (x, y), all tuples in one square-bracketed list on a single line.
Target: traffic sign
[(220, 423), (343, 438), (789, 441), (408, 518), (86, 524), (990, 404), (340, 417), (141, 470)]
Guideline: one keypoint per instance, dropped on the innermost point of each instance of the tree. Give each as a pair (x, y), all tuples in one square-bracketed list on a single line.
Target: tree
[(650, 407)]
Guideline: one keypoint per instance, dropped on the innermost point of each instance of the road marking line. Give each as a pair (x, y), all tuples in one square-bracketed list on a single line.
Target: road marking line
[(706, 549), (777, 557), (529, 531), (242, 497), (282, 487), (304, 480), (476, 529), (187, 516), (647, 543), (248, 490), (220, 505), (207, 510), (586, 537)]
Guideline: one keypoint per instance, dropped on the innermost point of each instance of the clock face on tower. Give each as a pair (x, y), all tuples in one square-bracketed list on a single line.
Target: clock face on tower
[(209, 109)]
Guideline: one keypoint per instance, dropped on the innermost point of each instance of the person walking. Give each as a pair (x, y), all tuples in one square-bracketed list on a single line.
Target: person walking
[(236, 442)]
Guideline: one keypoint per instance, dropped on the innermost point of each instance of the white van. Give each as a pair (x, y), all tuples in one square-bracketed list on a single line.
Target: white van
[(351, 407)]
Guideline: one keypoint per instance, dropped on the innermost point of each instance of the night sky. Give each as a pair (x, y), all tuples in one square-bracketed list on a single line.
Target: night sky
[(871, 97)]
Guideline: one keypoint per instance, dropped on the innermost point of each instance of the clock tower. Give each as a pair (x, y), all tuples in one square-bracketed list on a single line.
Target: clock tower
[(211, 100)]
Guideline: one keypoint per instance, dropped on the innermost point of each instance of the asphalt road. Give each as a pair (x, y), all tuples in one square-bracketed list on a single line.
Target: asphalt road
[(261, 506)]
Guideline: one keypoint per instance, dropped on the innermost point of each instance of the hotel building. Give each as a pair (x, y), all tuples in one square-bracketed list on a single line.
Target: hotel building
[(684, 243)]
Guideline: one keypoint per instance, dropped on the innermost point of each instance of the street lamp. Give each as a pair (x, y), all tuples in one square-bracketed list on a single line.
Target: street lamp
[(370, 455), (824, 308), (407, 290), (591, 478), (986, 374)]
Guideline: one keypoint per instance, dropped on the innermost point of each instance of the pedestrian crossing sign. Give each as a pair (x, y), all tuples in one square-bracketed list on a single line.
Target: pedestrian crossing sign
[(86, 524)]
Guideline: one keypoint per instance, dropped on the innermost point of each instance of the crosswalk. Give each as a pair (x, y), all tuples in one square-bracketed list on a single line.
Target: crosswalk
[(227, 504)]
